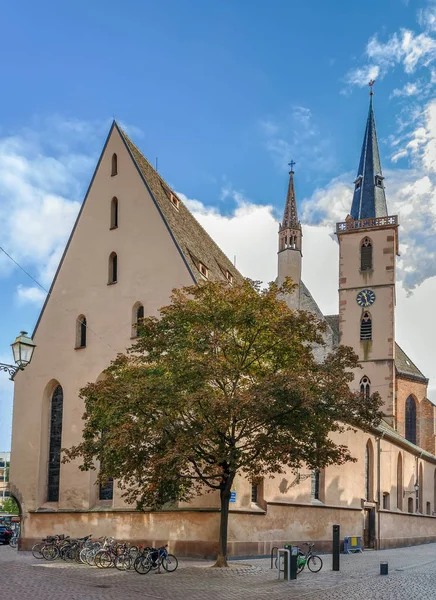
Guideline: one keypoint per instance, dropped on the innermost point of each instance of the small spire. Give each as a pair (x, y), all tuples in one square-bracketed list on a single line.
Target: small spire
[(369, 200), (290, 216)]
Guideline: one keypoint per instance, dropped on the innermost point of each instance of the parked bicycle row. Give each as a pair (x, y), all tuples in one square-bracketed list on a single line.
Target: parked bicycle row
[(104, 553)]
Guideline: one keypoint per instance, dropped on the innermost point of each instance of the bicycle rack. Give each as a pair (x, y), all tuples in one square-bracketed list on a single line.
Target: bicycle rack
[(272, 554)]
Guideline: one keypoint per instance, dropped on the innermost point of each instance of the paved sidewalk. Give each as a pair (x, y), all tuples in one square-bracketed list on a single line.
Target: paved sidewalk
[(412, 574)]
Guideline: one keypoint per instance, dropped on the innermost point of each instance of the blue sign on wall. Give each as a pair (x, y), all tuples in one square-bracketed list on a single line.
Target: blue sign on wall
[(232, 496)]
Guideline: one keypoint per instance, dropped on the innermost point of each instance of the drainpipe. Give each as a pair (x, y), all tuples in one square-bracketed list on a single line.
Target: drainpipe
[(379, 486)]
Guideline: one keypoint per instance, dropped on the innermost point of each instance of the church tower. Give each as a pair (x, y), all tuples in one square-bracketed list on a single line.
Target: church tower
[(368, 243), (290, 244)]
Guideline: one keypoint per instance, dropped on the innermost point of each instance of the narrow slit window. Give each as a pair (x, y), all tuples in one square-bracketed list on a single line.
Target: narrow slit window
[(378, 181), (138, 315), (366, 255), (81, 328), (229, 276), (366, 327), (113, 268), (411, 420), (114, 213), (114, 165)]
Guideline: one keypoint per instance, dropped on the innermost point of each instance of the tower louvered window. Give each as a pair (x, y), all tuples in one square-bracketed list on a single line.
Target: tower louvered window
[(54, 461), (366, 255), (366, 327)]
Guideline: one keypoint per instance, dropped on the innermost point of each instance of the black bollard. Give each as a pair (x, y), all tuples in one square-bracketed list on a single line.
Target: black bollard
[(294, 562), (384, 568), (336, 547)]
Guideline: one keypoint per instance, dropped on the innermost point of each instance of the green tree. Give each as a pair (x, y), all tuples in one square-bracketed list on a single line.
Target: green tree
[(224, 382), (9, 506)]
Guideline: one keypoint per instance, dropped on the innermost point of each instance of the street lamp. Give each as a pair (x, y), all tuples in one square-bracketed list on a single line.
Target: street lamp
[(22, 350)]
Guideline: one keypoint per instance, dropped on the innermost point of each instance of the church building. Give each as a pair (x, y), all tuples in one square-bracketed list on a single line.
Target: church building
[(134, 240)]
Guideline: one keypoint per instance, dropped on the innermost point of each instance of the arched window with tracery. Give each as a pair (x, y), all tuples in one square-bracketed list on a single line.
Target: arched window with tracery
[(54, 460), (113, 268), (411, 420), (369, 471), (114, 213), (366, 255), (366, 327), (365, 387), (114, 164), (400, 481)]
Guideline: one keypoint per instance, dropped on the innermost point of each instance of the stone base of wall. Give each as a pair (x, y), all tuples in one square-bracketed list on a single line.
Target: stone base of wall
[(195, 533)]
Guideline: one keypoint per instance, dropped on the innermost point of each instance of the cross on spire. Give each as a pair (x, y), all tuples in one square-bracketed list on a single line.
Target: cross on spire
[(291, 164)]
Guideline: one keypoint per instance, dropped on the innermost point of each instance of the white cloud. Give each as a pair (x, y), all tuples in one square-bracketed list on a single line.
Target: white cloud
[(32, 295), (409, 89), (427, 18), (42, 176), (404, 48)]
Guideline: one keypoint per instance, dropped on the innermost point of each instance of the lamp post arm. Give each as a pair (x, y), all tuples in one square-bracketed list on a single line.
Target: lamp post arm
[(11, 369)]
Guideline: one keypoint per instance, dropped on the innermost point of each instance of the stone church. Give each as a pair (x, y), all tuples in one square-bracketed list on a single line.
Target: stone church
[(133, 242)]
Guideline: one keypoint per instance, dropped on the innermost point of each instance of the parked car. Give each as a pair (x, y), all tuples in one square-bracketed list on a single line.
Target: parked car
[(5, 534)]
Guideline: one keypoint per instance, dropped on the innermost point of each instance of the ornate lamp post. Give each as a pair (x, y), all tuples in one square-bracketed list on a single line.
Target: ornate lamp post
[(22, 350)]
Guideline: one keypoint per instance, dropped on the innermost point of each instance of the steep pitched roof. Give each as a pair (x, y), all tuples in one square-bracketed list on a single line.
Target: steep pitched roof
[(194, 242), (406, 368), (369, 199), (333, 321)]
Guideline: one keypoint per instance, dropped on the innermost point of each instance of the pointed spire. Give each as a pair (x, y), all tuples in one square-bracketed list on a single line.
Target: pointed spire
[(369, 198), (290, 216)]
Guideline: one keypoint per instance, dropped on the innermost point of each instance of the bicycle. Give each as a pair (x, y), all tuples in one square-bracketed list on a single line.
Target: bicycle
[(313, 561), (153, 558)]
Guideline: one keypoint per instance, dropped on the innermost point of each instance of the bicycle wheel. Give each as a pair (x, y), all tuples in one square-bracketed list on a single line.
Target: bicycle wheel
[(142, 565), (36, 550), (105, 560), (123, 562), (170, 563), (314, 563), (134, 552), (13, 542), (50, 552)]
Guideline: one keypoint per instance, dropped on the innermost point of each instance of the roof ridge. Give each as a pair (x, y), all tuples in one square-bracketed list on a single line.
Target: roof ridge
[(187, 246)]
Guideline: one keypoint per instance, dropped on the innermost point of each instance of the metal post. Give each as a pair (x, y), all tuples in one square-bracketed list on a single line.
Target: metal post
[(294, 562), (336, 547)]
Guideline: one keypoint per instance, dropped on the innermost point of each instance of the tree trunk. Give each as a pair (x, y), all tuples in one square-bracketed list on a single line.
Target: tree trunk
[(225, 490)]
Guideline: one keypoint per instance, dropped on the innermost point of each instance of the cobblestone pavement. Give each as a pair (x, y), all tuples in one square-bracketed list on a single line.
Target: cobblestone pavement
[(412, 574)]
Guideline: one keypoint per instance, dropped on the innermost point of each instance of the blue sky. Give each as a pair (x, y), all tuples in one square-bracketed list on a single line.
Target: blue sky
[(224, 93)]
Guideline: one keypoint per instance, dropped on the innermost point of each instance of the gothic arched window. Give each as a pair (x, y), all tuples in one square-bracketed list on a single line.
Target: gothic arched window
[(366, 327), (81, 332), (366, 255), (400, 481), (114, 165), (113, 268), (106, 490), (54, 460), (369, 471), (365, 387), (411, 420), (114, 213)]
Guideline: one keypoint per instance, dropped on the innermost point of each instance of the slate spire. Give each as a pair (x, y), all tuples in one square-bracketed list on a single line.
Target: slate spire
[(369, 198), (290, 216)]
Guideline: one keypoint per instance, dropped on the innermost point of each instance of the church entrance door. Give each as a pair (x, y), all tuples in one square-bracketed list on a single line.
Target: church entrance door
[(369, 528)]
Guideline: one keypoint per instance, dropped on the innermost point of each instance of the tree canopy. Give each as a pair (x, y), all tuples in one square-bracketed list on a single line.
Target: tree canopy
[(223, 382)]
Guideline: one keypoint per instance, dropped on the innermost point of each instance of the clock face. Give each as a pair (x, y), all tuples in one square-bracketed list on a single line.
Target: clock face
[(365, 298)]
